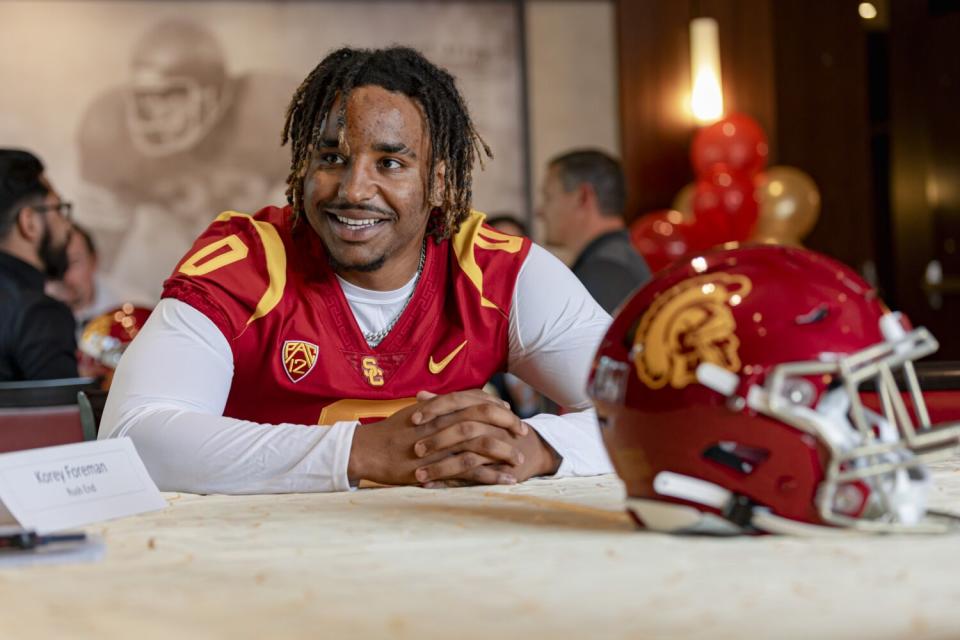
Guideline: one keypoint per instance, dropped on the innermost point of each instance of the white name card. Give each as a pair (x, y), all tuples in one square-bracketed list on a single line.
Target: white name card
[(57, 488)]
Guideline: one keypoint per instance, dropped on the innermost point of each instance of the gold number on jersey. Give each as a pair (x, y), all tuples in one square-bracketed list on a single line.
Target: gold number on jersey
[(236, 251), (495, 241), (349, 410)]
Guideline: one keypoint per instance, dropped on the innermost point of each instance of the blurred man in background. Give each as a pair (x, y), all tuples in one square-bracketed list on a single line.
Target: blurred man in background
[(582, 208), (36, 332)]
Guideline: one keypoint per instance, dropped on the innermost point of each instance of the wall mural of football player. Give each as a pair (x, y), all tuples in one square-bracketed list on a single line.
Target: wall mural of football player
[(181, 139)]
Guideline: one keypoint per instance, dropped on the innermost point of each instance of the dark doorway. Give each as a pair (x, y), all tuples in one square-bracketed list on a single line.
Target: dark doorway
[(925, 165)]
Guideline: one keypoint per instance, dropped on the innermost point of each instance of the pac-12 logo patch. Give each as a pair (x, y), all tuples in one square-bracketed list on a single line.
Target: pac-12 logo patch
[(299, 358)]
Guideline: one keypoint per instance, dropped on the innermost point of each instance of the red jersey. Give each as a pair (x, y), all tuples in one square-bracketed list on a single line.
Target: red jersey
[(299, 355)]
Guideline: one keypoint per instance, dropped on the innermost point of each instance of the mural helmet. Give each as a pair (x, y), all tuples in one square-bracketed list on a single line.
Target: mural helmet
[(179, 88)]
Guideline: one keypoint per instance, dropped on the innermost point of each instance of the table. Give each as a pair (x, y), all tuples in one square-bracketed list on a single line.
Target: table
[(545, 559)]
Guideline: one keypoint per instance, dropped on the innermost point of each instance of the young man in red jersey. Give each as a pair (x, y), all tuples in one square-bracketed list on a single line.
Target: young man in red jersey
[(345, 336)]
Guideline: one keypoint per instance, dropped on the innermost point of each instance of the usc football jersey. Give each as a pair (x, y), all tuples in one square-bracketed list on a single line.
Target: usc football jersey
[(300, 357)]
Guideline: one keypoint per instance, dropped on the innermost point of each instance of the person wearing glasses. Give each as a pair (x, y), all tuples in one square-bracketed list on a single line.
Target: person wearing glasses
[(85, 288), (37, 340)]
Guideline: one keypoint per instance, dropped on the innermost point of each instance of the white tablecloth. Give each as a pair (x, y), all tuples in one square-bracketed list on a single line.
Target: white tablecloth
[(545, 559)]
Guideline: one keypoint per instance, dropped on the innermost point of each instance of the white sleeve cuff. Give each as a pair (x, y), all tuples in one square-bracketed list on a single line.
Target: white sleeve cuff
[(576, 439), (342, 433)]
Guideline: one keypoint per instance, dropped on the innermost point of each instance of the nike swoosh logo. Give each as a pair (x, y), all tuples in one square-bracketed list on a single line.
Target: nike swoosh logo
[(437, 367)]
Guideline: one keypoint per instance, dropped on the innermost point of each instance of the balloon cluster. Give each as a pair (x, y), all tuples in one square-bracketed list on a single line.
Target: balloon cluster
[(732, 200)]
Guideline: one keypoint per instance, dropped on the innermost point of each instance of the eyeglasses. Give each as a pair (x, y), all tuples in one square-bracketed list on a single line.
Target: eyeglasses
[(65, 209)]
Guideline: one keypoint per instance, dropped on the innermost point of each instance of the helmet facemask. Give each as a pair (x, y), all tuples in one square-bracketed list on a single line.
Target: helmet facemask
[(876, 477)]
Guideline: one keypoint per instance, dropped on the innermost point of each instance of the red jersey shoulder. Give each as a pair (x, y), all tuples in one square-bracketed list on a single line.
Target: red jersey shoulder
[(236, 271), (489, 260)]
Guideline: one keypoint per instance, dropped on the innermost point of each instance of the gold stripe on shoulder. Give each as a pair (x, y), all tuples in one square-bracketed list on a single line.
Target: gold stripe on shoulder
[(276, 262), (463, 243)]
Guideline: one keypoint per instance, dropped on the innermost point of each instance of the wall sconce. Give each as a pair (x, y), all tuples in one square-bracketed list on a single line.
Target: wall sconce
[(706, 98)]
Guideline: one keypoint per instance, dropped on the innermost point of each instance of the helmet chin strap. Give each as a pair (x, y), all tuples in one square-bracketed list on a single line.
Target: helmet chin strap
[(739, 515), (901, 493)]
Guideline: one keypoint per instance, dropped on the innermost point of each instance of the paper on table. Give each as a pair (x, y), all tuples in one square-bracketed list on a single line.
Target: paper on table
[(56, 488)]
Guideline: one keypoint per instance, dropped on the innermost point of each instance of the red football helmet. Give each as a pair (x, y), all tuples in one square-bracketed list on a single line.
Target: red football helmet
[(729, 396)]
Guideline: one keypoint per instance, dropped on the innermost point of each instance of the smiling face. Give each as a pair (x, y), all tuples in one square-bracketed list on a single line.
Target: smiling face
[(367, 199)]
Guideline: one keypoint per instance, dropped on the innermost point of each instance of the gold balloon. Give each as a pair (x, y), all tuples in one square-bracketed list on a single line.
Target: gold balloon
[(683, 202), (789, 205)]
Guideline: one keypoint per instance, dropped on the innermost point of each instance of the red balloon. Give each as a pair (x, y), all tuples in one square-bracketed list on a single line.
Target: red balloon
[(725, 206), (699, 234), (736, 142), (662, 237)]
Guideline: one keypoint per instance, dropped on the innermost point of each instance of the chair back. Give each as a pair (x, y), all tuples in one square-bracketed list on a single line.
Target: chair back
[(41, 413), (91, 403), (43, 393)]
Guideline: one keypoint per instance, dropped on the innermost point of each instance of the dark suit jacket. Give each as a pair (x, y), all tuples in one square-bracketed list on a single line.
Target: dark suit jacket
[(610, 268), (37, 333)]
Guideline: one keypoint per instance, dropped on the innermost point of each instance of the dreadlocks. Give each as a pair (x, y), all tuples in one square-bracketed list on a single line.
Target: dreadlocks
[(453, 139)]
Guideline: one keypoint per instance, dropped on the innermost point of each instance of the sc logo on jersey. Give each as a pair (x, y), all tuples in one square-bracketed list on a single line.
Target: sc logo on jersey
[(299, 357), (372, 371)]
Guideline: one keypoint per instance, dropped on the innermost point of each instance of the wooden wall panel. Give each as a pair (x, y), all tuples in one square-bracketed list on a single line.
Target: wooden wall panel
[(823, 118), (654, 80), (925, 164), (746, 58)]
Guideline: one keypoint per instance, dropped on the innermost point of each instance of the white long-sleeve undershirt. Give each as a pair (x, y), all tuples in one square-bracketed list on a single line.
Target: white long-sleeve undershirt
[(172, 384)]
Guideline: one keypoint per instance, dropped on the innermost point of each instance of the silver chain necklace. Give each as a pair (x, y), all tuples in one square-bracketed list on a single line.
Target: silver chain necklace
[(374, 338)]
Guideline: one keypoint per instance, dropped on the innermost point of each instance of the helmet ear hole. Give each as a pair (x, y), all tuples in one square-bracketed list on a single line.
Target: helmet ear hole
[(743, 459)]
